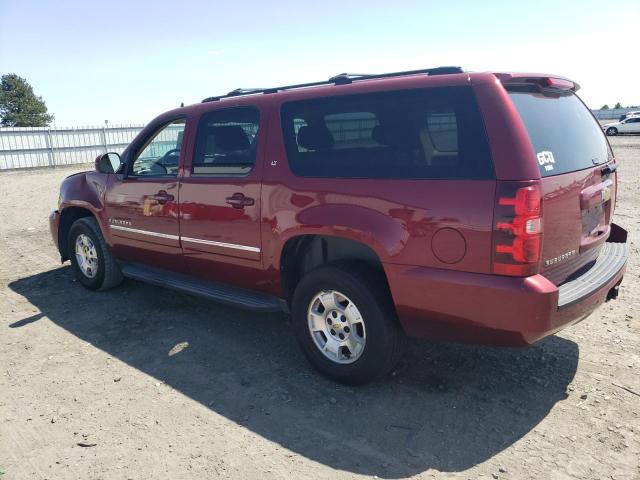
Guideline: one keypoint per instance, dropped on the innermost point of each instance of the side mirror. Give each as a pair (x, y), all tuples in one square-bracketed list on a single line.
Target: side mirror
[(108, 163)]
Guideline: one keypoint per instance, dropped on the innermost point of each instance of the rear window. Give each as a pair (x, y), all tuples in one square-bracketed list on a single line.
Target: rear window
[(428, 134), (564, 134), (226, 142)]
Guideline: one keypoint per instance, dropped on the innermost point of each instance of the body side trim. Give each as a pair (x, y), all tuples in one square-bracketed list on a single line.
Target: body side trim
[(220, 244), (186, 239)]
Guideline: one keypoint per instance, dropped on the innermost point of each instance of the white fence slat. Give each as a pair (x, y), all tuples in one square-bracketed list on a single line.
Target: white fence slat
[(32, 147)]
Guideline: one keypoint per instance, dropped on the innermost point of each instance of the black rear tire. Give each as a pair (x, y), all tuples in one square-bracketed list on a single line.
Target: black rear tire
[(368, 290), (108, 273)]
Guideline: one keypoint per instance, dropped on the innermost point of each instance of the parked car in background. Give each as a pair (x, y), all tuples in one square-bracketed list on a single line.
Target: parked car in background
[(437, 203), (628, 125), (629, 114)]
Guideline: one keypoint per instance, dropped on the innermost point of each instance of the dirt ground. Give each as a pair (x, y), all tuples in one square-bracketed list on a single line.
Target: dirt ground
[(141, 383)]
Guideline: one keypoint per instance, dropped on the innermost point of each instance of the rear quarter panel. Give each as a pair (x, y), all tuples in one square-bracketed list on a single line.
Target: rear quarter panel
[(396, 218)]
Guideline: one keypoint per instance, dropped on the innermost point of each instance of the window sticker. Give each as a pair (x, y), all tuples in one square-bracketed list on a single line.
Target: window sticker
[(545, 159)]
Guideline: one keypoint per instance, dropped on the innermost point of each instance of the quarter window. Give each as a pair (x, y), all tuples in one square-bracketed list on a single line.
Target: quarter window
[(226, 142), (431, 133)]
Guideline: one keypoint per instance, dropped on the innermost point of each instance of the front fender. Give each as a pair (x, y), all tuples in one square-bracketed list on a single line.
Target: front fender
[(87, 191)]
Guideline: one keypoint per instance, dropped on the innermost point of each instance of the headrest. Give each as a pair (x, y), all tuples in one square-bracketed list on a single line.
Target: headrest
[(230, 138), (395, 135), (315, 137), (378, 135)]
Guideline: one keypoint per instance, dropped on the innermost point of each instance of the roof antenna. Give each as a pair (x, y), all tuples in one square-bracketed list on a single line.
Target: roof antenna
[(181, 104)]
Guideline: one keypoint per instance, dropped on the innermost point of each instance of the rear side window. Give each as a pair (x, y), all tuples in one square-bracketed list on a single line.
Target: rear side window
[(423, 134), (564, 134), (226, 142)]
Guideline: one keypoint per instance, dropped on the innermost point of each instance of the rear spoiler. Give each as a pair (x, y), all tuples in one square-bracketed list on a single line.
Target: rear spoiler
[(544, 81)]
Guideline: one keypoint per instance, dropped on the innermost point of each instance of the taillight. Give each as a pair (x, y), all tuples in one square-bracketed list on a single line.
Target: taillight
[(517, 228)]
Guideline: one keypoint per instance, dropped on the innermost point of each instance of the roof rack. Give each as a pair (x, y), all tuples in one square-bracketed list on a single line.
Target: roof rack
[(340, 79), (243, 91)]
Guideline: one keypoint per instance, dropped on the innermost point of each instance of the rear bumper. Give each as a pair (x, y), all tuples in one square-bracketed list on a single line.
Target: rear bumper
[(500, 310)]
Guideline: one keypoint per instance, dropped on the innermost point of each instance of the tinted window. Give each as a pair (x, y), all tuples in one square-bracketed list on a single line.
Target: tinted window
[(430, 133), (226, 142), (564, 134), (160, 156)]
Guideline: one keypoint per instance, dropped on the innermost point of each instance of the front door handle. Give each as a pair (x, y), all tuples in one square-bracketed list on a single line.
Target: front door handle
[(163, 197), (238, 200)]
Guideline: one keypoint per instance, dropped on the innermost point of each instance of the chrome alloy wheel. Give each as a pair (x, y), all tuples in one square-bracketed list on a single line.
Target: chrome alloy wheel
[(86, 256), (336, 326)]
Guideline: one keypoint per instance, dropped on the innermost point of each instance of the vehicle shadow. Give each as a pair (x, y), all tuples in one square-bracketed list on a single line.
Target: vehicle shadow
[(447, 407)]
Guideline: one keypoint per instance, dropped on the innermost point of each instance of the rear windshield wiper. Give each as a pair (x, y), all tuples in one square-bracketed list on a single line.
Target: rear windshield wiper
[(608, 169)]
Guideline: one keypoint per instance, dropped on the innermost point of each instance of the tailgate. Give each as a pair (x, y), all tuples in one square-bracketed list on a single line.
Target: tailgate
[(577, 211), (578, 178)]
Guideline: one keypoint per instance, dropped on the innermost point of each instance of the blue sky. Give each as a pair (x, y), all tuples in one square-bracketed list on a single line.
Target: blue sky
[(127, 61)]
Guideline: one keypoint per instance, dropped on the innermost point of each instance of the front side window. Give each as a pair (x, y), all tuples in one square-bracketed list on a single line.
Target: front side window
[(431, 134), (226, 142), (160, 156)]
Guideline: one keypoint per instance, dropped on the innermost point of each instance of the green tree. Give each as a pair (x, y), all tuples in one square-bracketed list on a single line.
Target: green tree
[(618, 105), (19, 106), (604, 107)]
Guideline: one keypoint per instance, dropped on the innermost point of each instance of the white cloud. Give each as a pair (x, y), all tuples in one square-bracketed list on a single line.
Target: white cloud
[(215, 53)]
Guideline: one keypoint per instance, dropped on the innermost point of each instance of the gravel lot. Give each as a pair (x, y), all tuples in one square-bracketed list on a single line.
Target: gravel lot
[(144, 383)]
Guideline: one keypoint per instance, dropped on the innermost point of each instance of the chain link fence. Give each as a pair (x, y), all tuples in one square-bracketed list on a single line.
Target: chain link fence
[(31, 147)]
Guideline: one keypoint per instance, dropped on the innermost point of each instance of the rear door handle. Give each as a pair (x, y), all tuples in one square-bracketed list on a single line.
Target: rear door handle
[(163, 197), (238, 200)]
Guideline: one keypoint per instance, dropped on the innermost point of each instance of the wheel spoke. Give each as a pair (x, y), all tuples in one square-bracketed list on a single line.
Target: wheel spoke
[(353, 314), (328, 300), (354, 344), (316, 322), (332, 346)]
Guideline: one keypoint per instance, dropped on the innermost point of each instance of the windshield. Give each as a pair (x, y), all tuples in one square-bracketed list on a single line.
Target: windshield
[(564, 134)]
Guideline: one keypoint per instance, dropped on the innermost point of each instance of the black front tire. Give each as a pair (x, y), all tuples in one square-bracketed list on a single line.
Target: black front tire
[(612, 131), (108, 273), (367, 288)]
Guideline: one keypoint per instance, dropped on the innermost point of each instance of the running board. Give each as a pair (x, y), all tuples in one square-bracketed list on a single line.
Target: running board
[(218, 292)]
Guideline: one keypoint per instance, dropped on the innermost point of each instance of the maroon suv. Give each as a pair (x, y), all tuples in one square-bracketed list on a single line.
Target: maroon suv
[(436, 203)]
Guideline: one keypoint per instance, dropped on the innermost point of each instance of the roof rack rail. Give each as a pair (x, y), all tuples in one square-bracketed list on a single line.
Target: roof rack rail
[(344, 78), (340, 79), (244, 91)]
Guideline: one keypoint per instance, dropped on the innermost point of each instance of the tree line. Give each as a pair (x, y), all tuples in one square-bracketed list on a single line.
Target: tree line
[(19, 105), (617, 105)]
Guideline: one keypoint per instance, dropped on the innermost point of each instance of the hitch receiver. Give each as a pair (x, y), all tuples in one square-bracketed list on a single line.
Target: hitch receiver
[(612, 294)]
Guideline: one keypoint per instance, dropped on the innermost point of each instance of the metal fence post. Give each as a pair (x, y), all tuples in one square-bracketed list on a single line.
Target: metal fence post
[(104, 138), (49, 142)]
